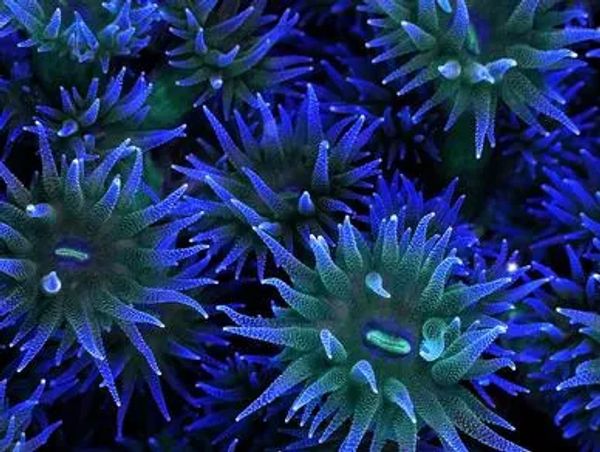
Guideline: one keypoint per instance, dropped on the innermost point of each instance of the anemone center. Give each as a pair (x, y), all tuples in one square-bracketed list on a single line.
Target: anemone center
[(72, 252), (386, 338)]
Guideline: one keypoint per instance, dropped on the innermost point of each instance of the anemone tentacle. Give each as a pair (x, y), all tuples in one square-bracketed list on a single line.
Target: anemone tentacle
[(16, 98), (353, 87), (569, 207), (400, 196)]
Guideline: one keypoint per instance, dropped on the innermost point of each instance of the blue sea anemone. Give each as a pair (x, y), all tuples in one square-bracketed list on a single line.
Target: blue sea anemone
[(102, 120), (294, 179), (526, 157), (355, 88), (400, 196), (570, 205), (230, 386), (383, 336), (479, 54), (18, 92), (16, 99), (83, 253), (92, 31), (557, 338), (535, 151), (226, 49), (178, 349), (492, 261)]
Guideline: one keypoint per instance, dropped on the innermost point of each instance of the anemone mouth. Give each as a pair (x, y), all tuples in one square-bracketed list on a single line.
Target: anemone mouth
[(387, 339), (72, 253)]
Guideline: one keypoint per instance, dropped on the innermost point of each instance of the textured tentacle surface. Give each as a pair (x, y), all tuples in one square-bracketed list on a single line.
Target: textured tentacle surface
[(86, 261), (478, 54), (292, 180), (377, 342)]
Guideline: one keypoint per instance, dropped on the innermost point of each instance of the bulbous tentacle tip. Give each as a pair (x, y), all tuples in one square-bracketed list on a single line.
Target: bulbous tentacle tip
[(68, 128), (374, 282), (501, 329), (363, 372), (51, 283), (216, 82), (450, 70), (42, 210), (306, 205)]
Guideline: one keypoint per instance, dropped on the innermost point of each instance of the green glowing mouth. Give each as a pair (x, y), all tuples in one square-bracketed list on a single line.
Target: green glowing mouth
[(391, 344), (71, 253)]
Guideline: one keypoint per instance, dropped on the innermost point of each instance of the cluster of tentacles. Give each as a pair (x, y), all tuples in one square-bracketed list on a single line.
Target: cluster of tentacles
[(319, 225)]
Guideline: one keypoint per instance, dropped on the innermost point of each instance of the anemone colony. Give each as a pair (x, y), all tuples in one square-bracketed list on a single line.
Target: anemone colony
[(299, 225)]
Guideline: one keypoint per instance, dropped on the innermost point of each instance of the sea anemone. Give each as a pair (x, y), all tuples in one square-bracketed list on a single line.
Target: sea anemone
[(382, 335), (295, 179), (91, 32), (353, 87), (226, 51), (83, 253), (479, 54), (102, 120)]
